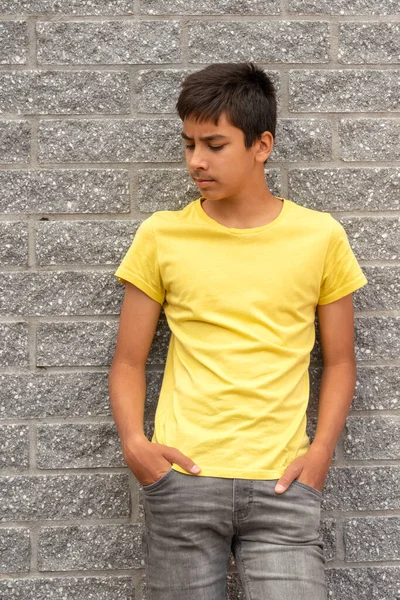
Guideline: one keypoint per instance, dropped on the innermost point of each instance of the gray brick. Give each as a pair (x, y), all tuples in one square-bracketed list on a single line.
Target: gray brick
[(362, 488), (382, 291), (173, 189), (328, 535), (99, 496), (13, 344), (78, 445), (263, 41), (13, 42), (14, 243), (344, 90), (84, 242), (372, 538), (14, 550), (75, 92), (14, 450), (115, 140), (344, 7), (68, 7), (234, 587), (211, 7), (113, 42), (68, 588), (369, 139), (60, 293), (158, 89), (377, 583), (88, 343), (84, 547), (377, 338), (371, 189), (375, 437), (302, 139), (377, 388), (15, 141), (371, 43), (33, 395), (65, 191), (373, 238)]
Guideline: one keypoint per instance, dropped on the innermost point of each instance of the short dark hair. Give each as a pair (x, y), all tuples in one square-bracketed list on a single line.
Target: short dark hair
[(242, 90)]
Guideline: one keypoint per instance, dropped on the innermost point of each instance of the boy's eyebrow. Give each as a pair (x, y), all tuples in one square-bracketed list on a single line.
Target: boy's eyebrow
[(207, 138)]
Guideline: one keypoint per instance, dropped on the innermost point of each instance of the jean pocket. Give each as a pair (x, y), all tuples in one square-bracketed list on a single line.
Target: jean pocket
[(308, 487), (159, 482)]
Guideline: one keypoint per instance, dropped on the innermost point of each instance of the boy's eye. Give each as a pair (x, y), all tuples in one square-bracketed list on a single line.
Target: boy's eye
[(216, 147), (189, 147)]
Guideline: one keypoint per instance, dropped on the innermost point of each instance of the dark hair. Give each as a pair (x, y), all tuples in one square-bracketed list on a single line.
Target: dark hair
[(242, 90)]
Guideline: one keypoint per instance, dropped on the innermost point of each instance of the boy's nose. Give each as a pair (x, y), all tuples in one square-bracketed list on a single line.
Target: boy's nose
[(196, 160)]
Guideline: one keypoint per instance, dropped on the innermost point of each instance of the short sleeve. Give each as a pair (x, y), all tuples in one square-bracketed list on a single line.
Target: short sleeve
[(342, 274), (140, 264)]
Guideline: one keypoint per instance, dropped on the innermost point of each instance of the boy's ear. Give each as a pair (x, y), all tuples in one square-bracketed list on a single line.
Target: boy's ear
[(265, 145)]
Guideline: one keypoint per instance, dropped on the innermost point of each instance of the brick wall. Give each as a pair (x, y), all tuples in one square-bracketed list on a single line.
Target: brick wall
[(89, 146)]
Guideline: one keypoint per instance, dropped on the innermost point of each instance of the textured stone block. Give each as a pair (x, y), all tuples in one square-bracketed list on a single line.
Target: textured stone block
[(372, 438), (211, 7), (77, 92), (382, 291), (115, 140), (84, 547), (99, 496), (234, 587), (346, 189), (83, 242), (15, 142), (69, 7), (13, 42), (373, 238), (377, 388), (371, 43), (344, 7), (328, 535), (263, 41), (78, 446), (158, 89), (343, 90), (14, 451), (68, 588), (302, 139), (13, 344), (14, 550), (377, 338), (369, 139), (113, 42), (61, 293), (65, 191), (362, 488), (375, 583), (173, 189), (89, 343), (372, 538), (14, 243), (26, 396)]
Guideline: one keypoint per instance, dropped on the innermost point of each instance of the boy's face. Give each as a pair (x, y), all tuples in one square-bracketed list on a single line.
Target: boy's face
[(218, 160)]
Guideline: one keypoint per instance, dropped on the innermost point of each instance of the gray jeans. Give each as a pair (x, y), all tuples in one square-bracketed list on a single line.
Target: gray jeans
[(193, 522)]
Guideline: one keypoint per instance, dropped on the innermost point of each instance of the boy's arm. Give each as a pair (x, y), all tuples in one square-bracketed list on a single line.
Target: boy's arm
[(127, 384), (336, 326)]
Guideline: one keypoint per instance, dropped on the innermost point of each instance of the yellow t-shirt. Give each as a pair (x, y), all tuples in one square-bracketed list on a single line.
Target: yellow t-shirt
[(240, 304)]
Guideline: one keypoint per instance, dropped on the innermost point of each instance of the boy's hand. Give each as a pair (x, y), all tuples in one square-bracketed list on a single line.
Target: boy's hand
[(149, 461), (311, 469)]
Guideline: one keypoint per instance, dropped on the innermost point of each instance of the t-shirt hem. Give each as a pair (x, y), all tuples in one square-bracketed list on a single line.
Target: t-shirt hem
[(124, 275), (344, 290), (234, 473)]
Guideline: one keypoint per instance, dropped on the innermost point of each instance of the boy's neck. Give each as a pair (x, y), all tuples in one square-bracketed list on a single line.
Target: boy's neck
[(244, 213)]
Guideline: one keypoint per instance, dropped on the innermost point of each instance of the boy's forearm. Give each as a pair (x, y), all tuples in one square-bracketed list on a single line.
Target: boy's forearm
[(127, 387), (336, 394)]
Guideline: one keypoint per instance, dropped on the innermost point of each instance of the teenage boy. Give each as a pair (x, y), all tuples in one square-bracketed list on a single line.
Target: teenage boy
[(240, 274)]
